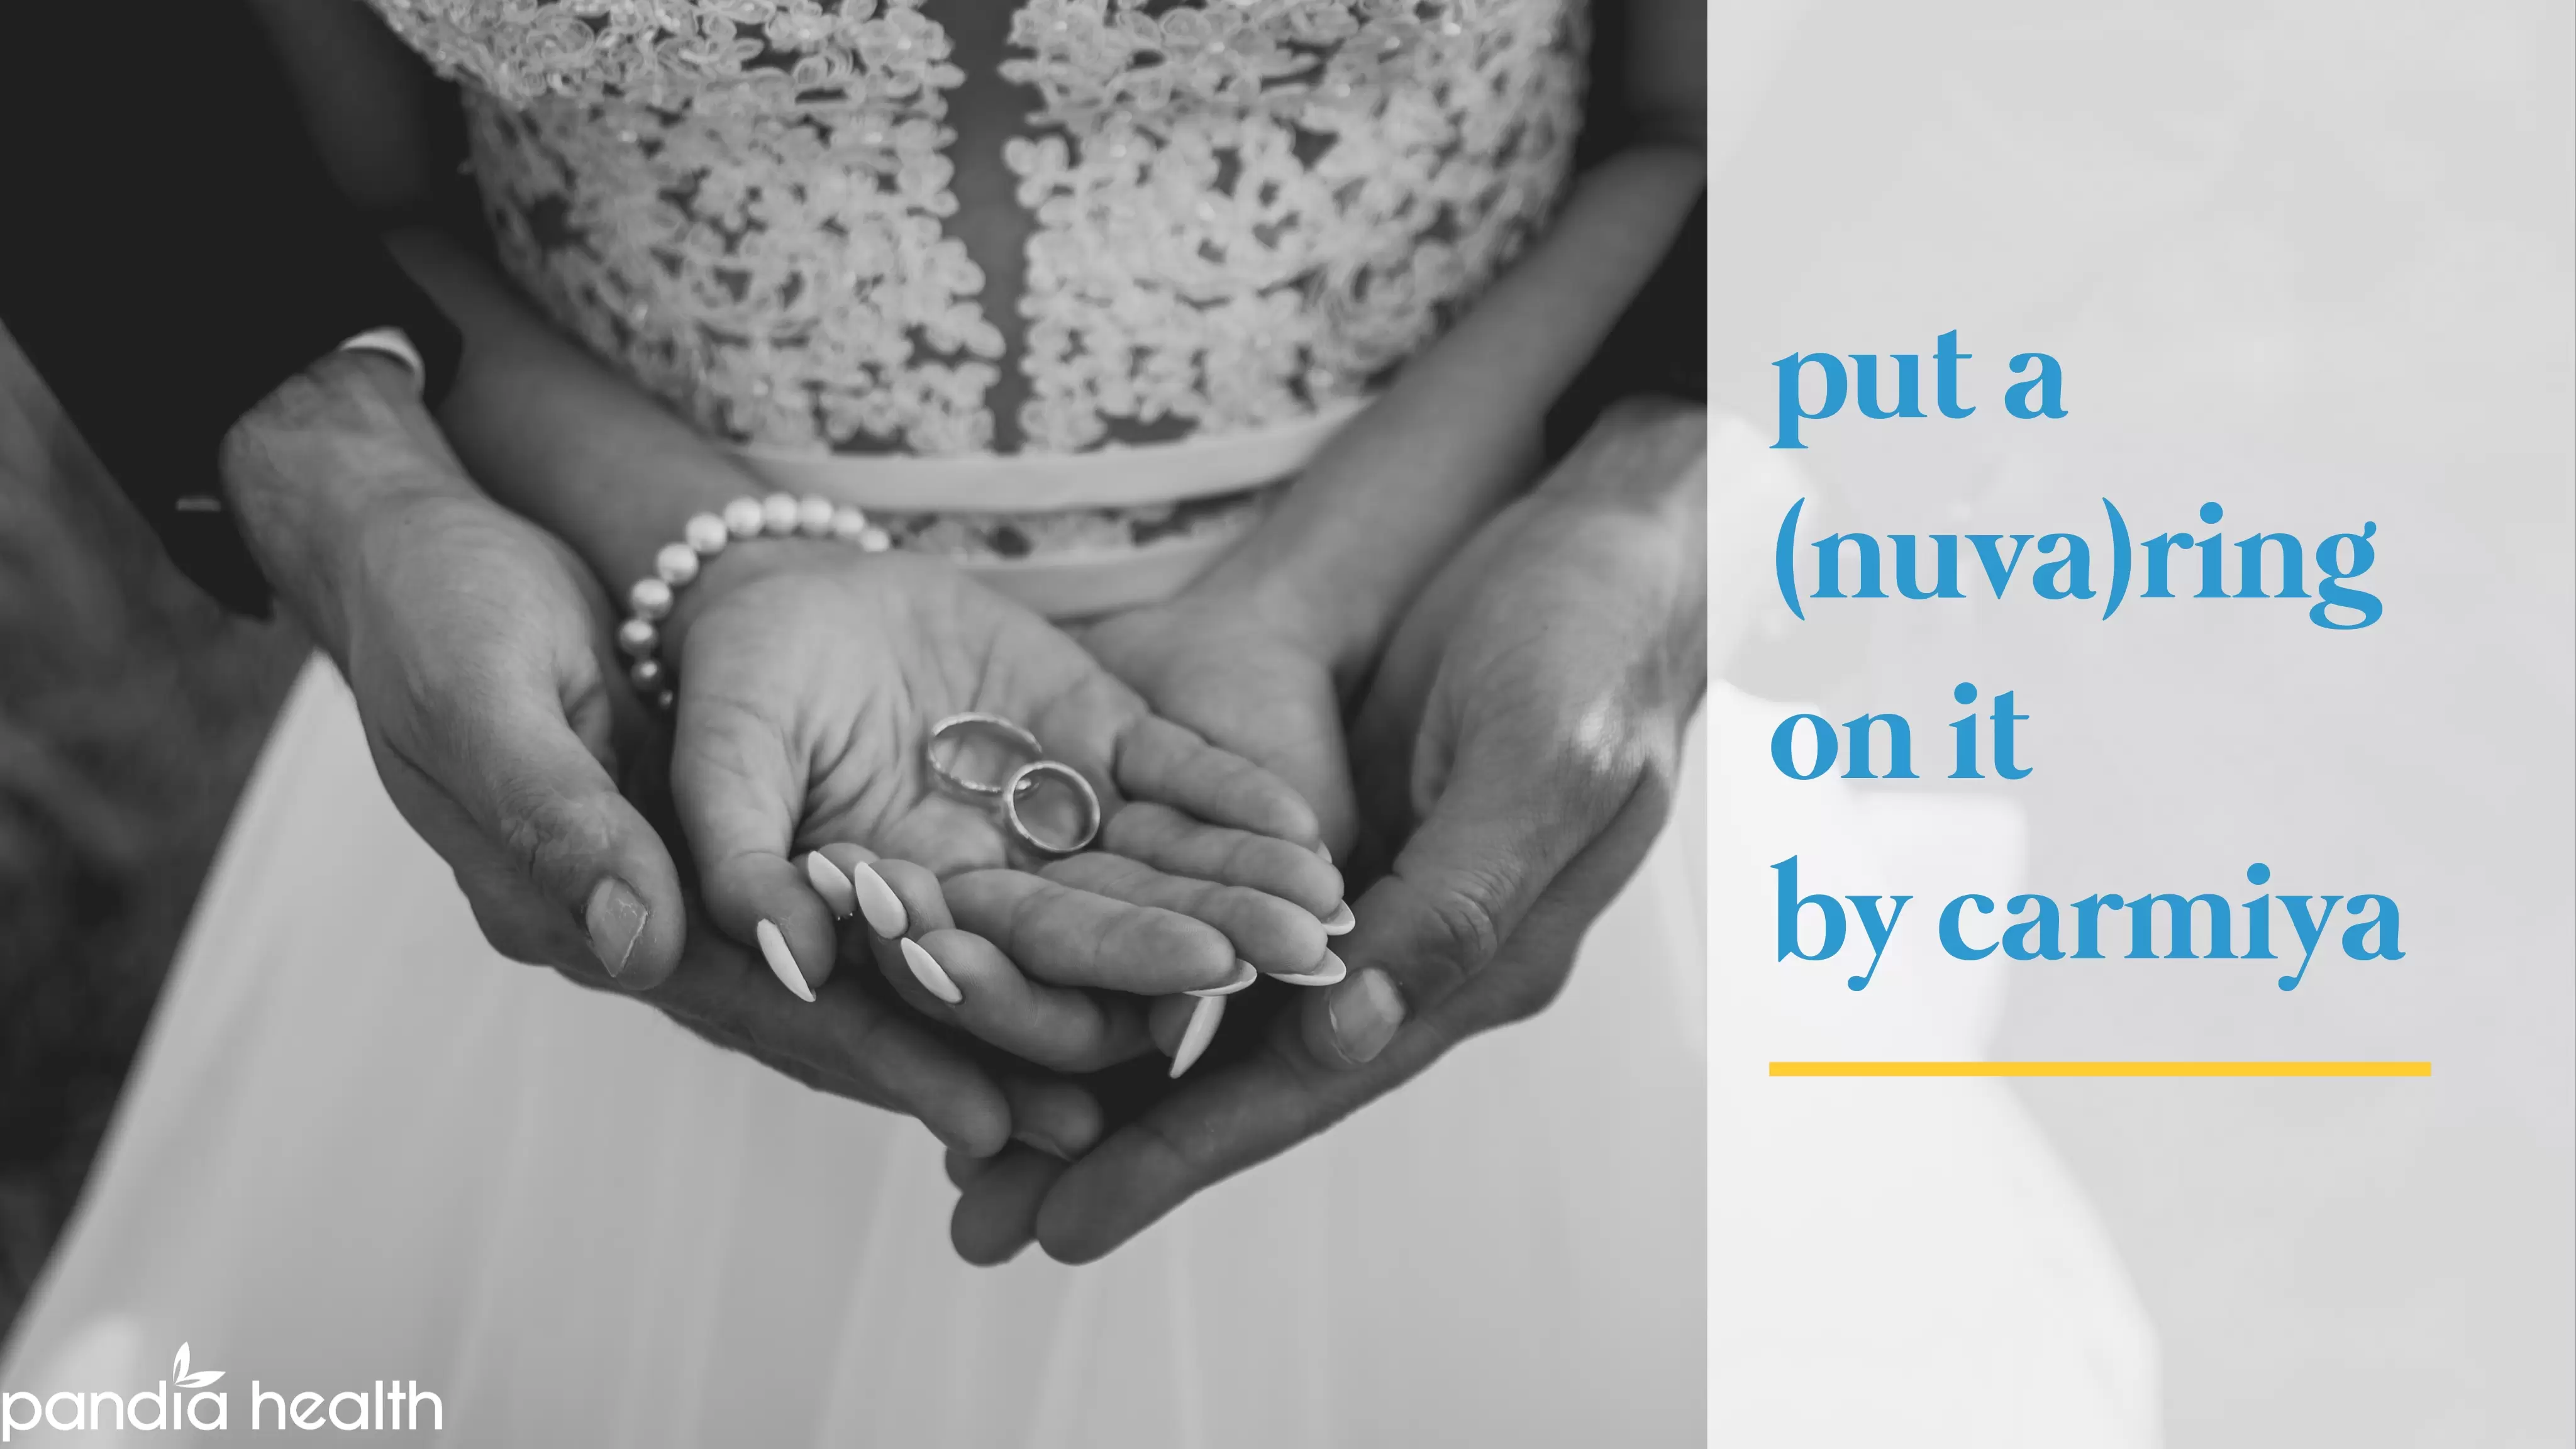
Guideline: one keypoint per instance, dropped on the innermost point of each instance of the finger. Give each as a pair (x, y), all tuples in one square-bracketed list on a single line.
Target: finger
[(963, 979), (1053, 1115), (737, 787), (1074, 938), (1259, 1104), (963, 1170), (1412, 954), (1057, 1027), (1518, 802), (1160, 761), (1169, 1020), (549, 805), (1177, 844), (1207, 1128), (1276, 937), (997, 1216), (516, 920), (851, 1043)]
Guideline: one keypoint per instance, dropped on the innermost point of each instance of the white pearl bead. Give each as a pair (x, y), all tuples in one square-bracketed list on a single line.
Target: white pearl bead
[(649, 599), (875, 540), (814, 517), (848, 523), (646, 676), (742, 517), (707, 534), (676, 564), (778, 514), (638, 637)]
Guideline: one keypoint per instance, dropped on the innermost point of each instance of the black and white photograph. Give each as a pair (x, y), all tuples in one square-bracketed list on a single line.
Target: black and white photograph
[(916, 645), (1288, 724)]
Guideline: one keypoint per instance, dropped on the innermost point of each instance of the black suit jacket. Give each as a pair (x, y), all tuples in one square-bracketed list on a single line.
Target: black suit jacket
[(172, 250)]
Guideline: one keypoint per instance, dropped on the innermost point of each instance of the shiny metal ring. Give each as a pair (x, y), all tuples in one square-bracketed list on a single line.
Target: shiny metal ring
[(960, 724), (1022, 780)]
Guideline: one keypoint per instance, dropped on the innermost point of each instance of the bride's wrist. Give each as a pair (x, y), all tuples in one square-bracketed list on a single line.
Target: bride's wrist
[(719, 549), (1279, 601), (743, 563)]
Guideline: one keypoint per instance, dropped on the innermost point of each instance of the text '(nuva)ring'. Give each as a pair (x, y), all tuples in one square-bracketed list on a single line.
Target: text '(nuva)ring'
[(959, 727), (1024, 781)]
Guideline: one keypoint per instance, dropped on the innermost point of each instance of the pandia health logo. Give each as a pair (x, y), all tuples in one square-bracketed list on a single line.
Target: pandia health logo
[(189, 1399)]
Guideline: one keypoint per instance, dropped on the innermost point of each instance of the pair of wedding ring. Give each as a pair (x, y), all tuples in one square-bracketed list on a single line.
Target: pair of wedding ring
[(1024, 780)]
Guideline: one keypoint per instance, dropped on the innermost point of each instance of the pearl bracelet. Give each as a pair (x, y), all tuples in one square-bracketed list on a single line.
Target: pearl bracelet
[(676, 566)]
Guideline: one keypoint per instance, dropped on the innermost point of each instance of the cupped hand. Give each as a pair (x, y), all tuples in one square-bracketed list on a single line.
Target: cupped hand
[(809, 679), (477, 649), (1521, 738), (1225, 666), (475, 645)]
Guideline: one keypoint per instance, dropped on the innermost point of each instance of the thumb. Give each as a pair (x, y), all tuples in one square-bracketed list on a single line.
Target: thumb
[(738, 786), (540, 795), (1515, 804)]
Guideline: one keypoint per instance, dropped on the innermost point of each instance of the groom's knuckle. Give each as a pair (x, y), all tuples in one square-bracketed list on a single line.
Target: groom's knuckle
[(1465, 926), (544, 831)]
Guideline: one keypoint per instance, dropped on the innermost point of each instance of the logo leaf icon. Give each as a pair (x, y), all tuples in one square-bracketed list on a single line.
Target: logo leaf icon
[(180, 1376)]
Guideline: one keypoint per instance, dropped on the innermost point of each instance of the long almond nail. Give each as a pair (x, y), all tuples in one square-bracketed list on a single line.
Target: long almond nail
[(877, 901), (832, 886), (1341, 922), (1196, 1036), (782, 962), (1325, 851), (615, 918), (1245, 973), (927, 970), (1325, 975), (1364, 1015)]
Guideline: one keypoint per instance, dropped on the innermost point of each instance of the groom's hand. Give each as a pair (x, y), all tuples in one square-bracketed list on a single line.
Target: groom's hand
[(1528, 714), (477, 647)]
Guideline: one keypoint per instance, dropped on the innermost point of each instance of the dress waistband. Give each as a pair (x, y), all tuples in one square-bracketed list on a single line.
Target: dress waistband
[(1131, 476), (1083, 580)]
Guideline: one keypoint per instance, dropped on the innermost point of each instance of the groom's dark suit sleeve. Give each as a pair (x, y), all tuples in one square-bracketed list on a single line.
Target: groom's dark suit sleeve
[(1659, 348), (173, 251)]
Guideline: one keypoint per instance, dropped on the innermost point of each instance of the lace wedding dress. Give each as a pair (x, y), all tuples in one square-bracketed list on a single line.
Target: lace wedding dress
[(1062, 290)]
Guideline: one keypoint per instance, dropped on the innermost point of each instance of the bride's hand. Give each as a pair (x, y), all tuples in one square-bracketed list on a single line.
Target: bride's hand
[(1527, 715), (1217, 662), (809, 678)]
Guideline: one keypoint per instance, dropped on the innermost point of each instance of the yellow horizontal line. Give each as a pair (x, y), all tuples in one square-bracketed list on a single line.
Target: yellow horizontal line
[(2101, 1069)]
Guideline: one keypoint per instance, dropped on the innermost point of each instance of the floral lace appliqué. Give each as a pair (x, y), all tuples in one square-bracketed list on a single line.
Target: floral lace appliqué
[(740, 203), (1249, 207), (1243, 209)]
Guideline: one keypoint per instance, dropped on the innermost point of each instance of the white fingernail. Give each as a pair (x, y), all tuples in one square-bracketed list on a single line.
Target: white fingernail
[(927, 970), (877, 901), (1245, 973), (831, 885), (1196, 1036), (1325, 975), (1341, 922), (1325, 851), (782, 962)]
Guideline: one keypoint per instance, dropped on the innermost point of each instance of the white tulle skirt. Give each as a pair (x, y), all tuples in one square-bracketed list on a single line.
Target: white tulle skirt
[(359, 1147)]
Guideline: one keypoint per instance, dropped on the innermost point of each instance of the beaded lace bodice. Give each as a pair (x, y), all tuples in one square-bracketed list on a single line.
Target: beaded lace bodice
[(1201, 218)]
